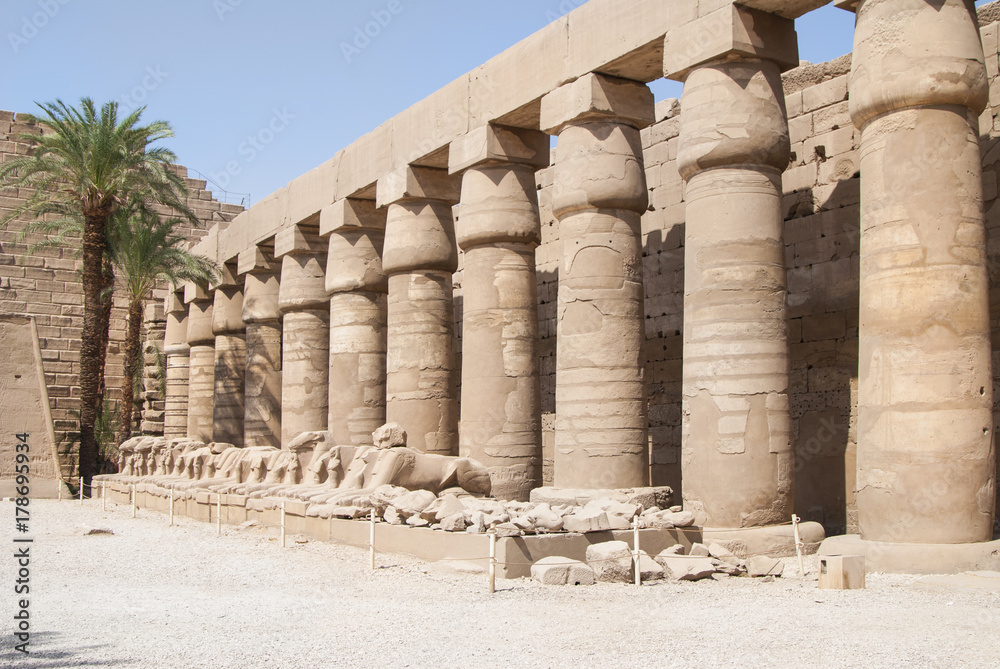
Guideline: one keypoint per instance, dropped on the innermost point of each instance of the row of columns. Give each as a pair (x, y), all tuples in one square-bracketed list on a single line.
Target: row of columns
[(359, 329)]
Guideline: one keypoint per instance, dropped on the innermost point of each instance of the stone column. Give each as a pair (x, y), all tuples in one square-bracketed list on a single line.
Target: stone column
[(357, 289), (498, 230), (736, 430), (178, 353), (419, 258), (230, 363), (599, 194), (305, 336), (926, 469), (201, 374), (262, 382)]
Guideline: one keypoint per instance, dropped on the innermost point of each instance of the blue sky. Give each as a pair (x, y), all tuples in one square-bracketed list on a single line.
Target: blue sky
[(276, 88)]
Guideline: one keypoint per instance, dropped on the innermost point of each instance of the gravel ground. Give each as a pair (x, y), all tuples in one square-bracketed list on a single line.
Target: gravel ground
[(155, 596)]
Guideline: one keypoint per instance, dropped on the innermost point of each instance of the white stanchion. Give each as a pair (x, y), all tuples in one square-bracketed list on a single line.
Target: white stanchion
[(798, 544), (104, 498), (371, 540), (282, 524), (493, 562), (635, 547), (81, 491)]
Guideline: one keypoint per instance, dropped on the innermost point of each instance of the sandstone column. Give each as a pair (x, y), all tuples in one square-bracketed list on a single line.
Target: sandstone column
[(419, 258), (201, 374), (357, 289), (178, 353), (305, 323), (498, 230), (230, 363), (925, 433), (599, 194), (733, 147), (262, 381)]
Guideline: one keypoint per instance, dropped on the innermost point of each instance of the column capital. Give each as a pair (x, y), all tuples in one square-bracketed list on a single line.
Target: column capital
[(597, 97), (417, 183), (195, 293), (493, 143), (727, 33), (174, 303), (351, 214)]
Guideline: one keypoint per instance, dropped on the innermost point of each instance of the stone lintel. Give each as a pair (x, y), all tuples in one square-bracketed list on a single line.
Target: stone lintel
[(597, 97), (351, 213), (298, 239), (229, 276), (498, 143), (849, 5), (193, 293), (730, 32), (257, 259), (418, 183), (789, 9)]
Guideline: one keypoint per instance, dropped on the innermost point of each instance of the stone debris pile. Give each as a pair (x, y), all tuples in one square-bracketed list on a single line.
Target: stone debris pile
[(613, 562)]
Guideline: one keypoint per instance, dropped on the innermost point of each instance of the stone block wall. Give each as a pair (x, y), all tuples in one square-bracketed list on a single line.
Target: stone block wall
[(45, 283)]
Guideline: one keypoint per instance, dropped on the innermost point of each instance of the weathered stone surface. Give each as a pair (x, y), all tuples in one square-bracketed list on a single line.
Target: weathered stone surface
[(586, 521), (699, 550), (684, 567), (762, 565), (454, 523), (413, 502), (611, 561), (262, 382), (558, 570)]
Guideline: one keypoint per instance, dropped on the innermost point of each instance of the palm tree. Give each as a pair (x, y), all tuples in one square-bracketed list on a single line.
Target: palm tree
[(146, 250), (84, 166)]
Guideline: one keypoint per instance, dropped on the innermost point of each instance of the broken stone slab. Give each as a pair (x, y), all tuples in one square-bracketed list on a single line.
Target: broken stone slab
[(442, 507), (558, 570), (727, 568), (454, 523), (648, 496), (508, 530), (762, 565), (545, 519), (685, 567), (385, 495), (413, 502), (417, 520), (723, 554), (699, 550), (392, 516), (477, 523), (676, 549), (649, 569), (584, 521), (611, 561)]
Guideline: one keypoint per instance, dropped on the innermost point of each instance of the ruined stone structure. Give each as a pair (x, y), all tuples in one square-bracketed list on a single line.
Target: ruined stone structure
[(772, 295)]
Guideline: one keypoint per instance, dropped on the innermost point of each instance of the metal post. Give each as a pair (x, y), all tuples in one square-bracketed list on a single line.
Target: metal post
[(218, 514), (371, 540), (81, 491), (282, 523), (798, 544), (493, 561), (635, 546)]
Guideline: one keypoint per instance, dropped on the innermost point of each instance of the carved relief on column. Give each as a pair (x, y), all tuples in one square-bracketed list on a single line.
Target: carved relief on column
[(201, 375), (178, 355), (357, 288), (230, 363), (599, 194), (305, 310), (926, 455), (419, 258), (498, 231), (736, 430), (262, 383)]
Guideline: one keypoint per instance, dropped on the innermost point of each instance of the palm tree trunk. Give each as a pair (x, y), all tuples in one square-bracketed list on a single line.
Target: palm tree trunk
[(131, 357), (92, 341)]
